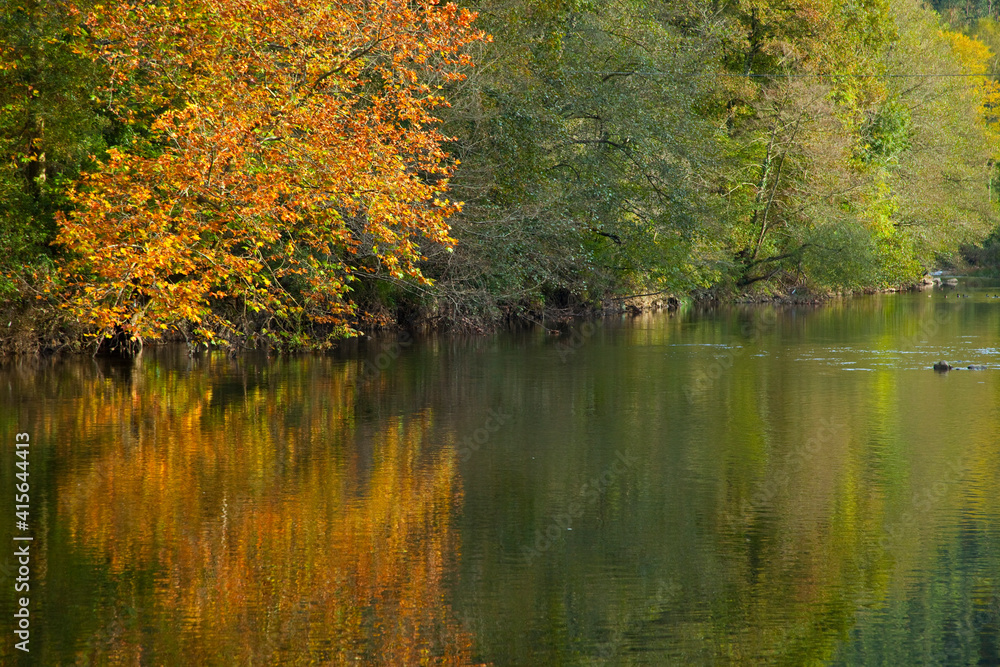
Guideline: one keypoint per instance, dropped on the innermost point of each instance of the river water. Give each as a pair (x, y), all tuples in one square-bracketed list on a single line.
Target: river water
[(749, 485)]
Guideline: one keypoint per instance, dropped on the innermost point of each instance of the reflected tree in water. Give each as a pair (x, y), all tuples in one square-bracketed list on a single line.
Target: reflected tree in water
[(253, 525)]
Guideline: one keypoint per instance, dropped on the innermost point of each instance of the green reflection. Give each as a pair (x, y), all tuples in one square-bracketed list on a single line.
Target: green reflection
[(771, 514), (752, 485)]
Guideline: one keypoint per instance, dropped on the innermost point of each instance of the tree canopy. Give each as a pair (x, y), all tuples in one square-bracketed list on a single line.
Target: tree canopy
[(288, 145), (286, 171)]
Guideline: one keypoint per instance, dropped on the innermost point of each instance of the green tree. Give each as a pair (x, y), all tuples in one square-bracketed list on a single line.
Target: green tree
[(586, 156), (862, 170), (50, 125)]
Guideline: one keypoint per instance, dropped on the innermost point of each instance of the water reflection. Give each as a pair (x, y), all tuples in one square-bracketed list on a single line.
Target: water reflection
[(715, 487), (234, 520)]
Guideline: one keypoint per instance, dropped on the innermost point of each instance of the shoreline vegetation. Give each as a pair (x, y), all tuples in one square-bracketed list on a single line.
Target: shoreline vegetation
[(31, 334), (290, 173)]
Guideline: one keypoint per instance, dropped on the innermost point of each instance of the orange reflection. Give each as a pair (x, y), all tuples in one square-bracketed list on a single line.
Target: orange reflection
[(264, 527)]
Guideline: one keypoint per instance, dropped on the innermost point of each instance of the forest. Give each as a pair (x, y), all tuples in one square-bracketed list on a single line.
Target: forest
[(287, 173)]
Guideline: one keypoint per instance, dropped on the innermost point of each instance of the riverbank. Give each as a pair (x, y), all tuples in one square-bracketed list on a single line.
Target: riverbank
[(44, 329)]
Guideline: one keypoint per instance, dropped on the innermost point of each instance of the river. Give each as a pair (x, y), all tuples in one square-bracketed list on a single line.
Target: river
[(745, 485)]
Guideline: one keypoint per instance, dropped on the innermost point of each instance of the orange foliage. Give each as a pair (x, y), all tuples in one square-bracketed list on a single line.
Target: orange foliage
[(292, 144)]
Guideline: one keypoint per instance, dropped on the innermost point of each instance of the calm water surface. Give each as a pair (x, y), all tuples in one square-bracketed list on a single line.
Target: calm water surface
[(748, 486)]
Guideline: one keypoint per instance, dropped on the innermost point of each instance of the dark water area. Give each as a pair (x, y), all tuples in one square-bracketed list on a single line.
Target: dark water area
[(747, 485)]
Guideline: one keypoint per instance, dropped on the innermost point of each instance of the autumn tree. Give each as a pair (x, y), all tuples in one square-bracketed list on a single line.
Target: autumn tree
[(283, 147)]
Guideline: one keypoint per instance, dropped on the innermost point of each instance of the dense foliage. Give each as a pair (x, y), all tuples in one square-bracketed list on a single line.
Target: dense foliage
[(293, 144), (281, 170), (614, 147)]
